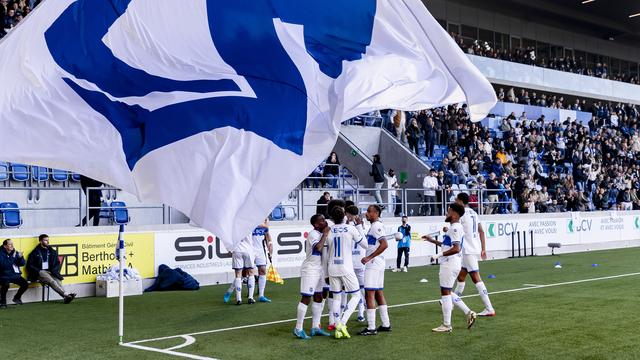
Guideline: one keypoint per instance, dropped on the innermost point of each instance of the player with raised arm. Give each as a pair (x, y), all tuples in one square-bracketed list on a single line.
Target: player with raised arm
[(342, 238), (450, 264), (474, 247), (374, 273), (353, 216), (261, 241), (312, 279)]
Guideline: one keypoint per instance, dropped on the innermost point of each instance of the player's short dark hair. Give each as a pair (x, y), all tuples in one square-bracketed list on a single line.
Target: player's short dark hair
[(457, 208), (314, 219), (337, 215), (5, 242), (348, 203), (334, 203), (464, 197), (377, 208), (42, 236), (352, 210)]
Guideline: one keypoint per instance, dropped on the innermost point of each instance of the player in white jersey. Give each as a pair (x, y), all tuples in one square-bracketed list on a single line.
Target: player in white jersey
[(374, 273), (474, 248), (450, 264), (342, 238), (261, 240), (312, 279), (358, 253), (333, 203), (242, 259)]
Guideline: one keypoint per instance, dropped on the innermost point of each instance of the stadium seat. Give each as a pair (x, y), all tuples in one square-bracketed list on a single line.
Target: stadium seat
[(289, 212), (4, 171), (59, 175), (119, 213), (75, 177), (20, 172), (278, 213), (10, 215), (39, 173)]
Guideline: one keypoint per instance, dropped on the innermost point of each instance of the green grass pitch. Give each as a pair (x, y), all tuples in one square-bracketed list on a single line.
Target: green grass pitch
[(596, 319)]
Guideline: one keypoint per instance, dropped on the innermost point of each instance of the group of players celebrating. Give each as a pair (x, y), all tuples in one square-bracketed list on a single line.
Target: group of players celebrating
[(344, 267)]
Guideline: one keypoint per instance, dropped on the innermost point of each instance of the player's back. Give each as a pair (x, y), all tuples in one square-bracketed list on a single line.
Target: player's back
[(342, 239), (257, 237), (469, 222)]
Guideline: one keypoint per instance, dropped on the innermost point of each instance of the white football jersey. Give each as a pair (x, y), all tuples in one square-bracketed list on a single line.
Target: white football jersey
[(376, 231), (257, 237), (244, 246), (313, 262), (455, 234), (469, 222), (358, 250), (341, 240)]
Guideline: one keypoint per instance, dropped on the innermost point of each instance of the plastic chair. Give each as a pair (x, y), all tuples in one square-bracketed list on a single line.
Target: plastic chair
[(289, 213), (39, 173), (119, 213), (75, 177), (20, 172), (59, 175), (277, 214), (4, 171), (10, 215)]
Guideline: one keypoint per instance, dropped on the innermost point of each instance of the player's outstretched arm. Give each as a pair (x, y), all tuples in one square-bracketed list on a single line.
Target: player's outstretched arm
[(431, 240)]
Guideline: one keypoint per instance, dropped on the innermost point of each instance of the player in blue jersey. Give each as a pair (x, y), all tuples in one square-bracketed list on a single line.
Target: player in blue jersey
[(450, 265), (474, 248), (374, 273), (312, 279)]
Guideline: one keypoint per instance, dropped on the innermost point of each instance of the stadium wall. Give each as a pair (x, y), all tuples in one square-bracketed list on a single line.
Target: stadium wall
[(87, 252)]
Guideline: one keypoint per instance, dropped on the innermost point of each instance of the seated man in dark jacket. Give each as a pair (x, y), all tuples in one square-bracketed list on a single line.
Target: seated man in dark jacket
[(10, 262), (43, 266)]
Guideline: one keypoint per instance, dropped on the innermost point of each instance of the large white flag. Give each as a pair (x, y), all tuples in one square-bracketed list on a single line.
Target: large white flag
[(216, 107)]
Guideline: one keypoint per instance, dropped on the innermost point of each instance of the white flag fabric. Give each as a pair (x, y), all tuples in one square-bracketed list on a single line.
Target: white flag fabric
[(218, 108)]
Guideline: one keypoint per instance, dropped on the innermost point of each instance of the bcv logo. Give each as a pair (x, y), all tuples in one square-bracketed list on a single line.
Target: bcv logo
[(579, 226), (501, 229)]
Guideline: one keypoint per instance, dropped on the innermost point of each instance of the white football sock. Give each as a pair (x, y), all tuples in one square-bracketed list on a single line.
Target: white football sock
[(371, 319), (262, 283), (351, 307), (332, 320), (343, 301), (457, 301), (447, 308), (459, 288), (484, 295), (384, 316), (361, 304), (335, 307), (316, 313), (251, 286), (238, 285), (302, 311)]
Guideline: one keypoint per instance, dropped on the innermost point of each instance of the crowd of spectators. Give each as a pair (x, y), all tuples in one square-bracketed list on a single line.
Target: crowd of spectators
[(530, 56), (535, 165), (13, 11)]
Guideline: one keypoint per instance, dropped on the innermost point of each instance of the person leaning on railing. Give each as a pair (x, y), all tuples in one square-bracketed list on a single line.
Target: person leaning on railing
[(10, 262)]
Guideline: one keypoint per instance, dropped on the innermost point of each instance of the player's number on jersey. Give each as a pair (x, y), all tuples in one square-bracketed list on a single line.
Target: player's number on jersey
[(336, 246)]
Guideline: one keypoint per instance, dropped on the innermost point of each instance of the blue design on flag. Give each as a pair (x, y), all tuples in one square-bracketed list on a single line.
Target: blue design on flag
[(245, 37)]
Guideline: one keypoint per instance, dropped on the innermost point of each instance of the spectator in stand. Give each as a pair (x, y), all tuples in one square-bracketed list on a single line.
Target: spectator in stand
[(462, 170), (377, 172), (431, 136), (413, 135), (399, 120), (10, 262), (313, 180), (321, 204), (430, 185), (331, 170), (43, 266), (392, 193)]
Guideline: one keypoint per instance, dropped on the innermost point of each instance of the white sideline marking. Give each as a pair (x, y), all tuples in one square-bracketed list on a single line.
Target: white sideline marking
[(134, 344), (188, 341), (533, 285)]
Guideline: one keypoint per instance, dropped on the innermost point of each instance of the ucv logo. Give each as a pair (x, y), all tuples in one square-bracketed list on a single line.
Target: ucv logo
[(245, 36)]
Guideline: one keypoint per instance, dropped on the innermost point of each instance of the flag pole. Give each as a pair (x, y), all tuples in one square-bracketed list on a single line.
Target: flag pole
[(120, 253)]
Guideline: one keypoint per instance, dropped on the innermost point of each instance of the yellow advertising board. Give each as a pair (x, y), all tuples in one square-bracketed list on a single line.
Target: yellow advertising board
[(83, 257)]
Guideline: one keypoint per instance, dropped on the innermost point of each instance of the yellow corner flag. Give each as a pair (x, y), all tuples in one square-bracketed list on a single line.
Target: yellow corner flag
[(273, 276)]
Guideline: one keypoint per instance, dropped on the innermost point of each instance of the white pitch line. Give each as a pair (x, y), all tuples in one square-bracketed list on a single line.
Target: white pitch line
[(534, 285), (133, 344)]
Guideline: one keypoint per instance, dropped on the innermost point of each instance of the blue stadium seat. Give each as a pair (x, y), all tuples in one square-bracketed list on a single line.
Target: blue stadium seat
[(119, 213), (39, 173), (59, 175), (20, 172), (278, 213), (4, 171), (75, 177), (10, 215)]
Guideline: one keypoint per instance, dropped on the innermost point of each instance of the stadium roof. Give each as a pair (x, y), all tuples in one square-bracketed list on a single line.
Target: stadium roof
[(599, 18)]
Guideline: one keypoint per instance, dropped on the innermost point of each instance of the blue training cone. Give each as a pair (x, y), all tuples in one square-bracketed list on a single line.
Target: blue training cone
[(594, 265), (491, 276), (558, 265)]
